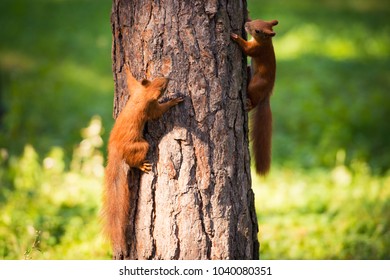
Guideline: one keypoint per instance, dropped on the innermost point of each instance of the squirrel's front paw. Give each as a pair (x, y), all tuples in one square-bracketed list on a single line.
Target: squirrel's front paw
[(234, 36), (249, 105), (177, 100)]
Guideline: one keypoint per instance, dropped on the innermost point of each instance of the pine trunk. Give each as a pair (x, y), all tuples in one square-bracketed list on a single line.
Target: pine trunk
[(197, 203)]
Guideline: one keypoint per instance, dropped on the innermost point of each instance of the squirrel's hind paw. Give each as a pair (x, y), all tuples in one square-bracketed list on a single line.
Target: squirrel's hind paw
[(145, 167)]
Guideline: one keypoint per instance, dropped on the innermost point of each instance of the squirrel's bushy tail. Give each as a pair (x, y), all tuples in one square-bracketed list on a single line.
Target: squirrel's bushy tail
[(116, 206), (262, 135)]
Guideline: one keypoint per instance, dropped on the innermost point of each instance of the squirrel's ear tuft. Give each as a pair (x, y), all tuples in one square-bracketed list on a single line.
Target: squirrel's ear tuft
[(145, 82), (274, 22)]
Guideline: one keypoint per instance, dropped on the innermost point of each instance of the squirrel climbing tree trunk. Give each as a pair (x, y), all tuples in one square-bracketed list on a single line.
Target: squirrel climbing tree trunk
[(197, 202)]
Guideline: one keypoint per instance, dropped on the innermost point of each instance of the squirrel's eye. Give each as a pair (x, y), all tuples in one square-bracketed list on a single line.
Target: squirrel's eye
[(257, 31)]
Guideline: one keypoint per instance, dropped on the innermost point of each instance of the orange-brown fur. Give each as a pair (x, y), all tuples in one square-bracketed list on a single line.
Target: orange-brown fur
[(127, 149), (260, 87)]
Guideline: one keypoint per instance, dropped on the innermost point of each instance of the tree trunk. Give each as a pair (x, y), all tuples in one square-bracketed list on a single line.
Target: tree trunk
[(197, 203)]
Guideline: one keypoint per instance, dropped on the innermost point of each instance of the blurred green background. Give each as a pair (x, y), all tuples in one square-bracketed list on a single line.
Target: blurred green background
[(328, 195)]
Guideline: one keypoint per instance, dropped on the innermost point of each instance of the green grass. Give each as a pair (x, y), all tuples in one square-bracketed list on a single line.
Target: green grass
[(328, 195), (49, 212), (52, 213), (341, 214)]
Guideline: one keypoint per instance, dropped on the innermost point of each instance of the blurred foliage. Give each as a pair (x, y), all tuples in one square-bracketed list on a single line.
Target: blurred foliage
[(55, 71), (328, 195), (48, 212), (317, 215)]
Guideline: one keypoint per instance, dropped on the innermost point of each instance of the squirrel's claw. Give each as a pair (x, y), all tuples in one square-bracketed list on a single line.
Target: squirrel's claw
[(145, 167), (178, 100), (233, 36)]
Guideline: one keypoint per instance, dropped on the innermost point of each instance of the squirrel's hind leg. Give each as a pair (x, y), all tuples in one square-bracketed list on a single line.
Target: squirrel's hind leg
[(135, 155), (146, 166)]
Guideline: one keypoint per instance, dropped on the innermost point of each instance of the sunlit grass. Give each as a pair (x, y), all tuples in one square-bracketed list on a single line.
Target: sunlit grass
[(321, 215), (52, 212), (59, 205)]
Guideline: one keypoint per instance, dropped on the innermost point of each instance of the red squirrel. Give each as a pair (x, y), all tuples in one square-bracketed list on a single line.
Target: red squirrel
[(260, 87), (127, 149)]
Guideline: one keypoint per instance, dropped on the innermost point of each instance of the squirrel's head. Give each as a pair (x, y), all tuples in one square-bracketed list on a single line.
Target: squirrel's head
[(157, 87), (260, 29)]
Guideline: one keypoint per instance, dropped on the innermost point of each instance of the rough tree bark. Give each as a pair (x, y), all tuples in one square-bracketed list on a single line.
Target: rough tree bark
[(197, 203)]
